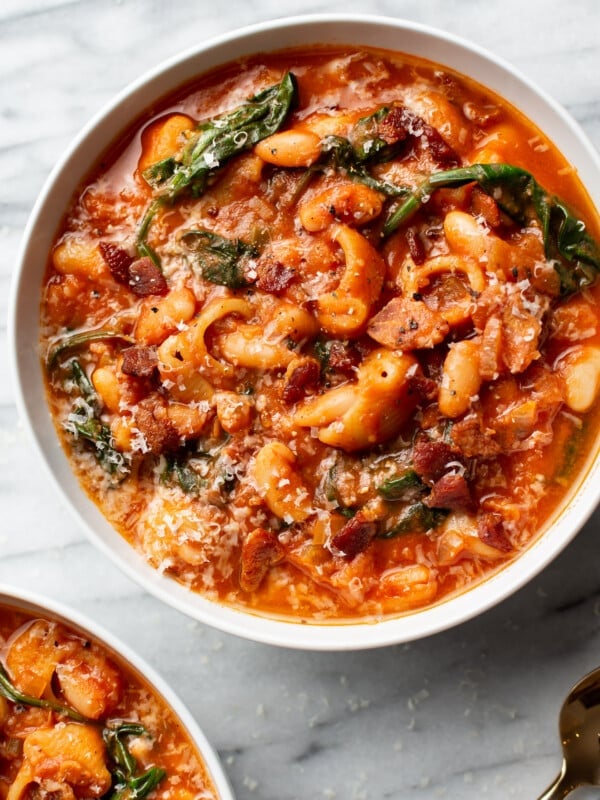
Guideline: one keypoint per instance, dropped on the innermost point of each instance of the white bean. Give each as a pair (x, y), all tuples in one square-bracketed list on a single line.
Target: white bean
[(460, 378), (581, 373)]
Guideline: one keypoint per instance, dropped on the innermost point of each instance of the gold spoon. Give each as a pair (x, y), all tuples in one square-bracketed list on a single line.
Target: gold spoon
[(579, 728)]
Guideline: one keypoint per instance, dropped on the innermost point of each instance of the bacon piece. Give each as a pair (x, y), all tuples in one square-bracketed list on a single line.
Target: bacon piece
[(343, 358), (401, 123), (415, 246), (145, 278), (520, 311), (473, 440), (273, 276), (430, 140), (489, 303), (547, 387), (304, 373), (491, 531), (450, 491), (153, 423), (516, 424), (483, 205), (439, 150), (426, 388), (521, 332), (139, 361), (142, 275), (431, 459), (392, 128), (355, 536), (405, 324), (117, 259), (261, 550)]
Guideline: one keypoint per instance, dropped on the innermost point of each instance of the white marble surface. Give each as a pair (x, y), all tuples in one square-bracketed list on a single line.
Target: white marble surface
[(470, 713)]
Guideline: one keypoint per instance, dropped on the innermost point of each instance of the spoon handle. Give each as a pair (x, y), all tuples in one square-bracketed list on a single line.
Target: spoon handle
[(561, 787)]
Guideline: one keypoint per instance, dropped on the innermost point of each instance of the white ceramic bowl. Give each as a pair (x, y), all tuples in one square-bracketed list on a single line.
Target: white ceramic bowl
[(34, 604), (100, 132)]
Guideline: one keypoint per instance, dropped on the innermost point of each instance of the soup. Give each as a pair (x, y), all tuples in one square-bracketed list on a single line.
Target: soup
[(321, 335), (75, 722)]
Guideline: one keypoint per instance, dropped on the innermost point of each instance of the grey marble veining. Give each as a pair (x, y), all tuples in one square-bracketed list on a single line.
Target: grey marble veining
[(469, 713)]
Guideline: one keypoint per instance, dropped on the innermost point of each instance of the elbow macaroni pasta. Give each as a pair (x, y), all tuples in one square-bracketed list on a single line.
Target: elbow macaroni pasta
[(345, 311)]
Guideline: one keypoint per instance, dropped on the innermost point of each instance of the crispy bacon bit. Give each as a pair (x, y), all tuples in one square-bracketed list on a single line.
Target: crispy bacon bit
[(483, 205), (153, 423), (520, 310), (303, 374), (117, 259), (450, 491), (355, 536), (415, 246), (516, 424), (425, 387), (522, 329), (473, 440), (261, 550), (343, 358), (547, 387), (273, 276), (145, 278), (406, 324), (401, 122), (491, 531), (141, 275), (440, 151), (392, 127), (139, 361), (431, 459)]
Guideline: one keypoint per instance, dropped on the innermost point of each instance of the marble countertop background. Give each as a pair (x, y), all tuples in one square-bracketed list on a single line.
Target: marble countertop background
[(469, 713)]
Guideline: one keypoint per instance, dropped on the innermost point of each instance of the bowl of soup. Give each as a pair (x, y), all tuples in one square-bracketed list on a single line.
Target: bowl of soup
[(306, 328), (81, 715)]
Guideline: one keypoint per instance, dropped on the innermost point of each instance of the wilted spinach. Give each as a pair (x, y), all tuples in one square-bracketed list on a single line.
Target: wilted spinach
[(220, 260), (212, 144), (126, 784), (84, 422)]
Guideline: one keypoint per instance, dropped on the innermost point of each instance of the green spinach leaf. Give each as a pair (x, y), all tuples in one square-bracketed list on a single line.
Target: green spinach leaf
[(396, 488), (84, 422), (75, 340), (126, 784), (418, 518), (220, 260)]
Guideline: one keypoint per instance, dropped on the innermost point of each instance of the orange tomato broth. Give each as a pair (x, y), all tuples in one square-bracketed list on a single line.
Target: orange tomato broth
[(44, 752), (233, 539)]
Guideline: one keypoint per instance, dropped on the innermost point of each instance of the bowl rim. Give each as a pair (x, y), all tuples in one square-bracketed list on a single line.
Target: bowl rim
[(34, 603), (356, 28)]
